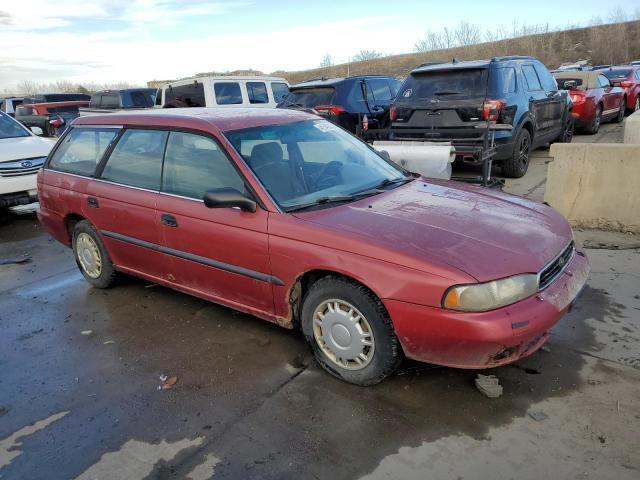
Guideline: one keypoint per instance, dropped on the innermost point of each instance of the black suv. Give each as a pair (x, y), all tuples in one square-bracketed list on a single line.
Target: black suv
[(454, 101), (345, 101)]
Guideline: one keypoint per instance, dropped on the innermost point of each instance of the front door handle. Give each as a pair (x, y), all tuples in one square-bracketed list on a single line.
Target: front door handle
[(93, 202), (168, 220)]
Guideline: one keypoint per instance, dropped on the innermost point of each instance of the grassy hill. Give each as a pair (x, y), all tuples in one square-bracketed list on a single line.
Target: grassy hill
[(603, 44)]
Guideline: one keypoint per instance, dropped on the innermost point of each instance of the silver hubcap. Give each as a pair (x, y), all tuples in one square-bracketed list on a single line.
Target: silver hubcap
[(343, 334), (88, 255)]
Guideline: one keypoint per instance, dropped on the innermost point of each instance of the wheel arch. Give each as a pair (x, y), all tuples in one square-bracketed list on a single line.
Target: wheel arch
[(303, 282), (70, 221)]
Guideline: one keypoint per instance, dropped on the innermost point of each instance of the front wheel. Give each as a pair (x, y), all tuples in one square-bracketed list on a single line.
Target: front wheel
[(91, 256), (518, 163), (350, 331)]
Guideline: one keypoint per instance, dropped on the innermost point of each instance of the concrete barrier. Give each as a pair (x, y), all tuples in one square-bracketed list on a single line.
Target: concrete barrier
[(596, 185), (632, 128)]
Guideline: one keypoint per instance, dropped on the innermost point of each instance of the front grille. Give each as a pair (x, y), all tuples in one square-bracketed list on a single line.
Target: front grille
[(18, 168), (549, 273)]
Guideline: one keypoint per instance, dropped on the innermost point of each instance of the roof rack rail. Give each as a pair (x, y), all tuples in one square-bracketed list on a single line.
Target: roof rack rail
[(512, 57)]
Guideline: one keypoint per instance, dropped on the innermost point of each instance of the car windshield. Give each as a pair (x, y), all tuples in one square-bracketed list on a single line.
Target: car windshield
[(9, 128), (314, 162)]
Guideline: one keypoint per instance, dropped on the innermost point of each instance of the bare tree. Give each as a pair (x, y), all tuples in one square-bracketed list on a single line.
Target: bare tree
[(28, 87), (363, 55), (327, 61), (467, 34)]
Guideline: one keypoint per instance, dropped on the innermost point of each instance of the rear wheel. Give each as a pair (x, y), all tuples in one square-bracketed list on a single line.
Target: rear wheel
[(623, 108), (91, 256), (567, 130), (516, 165), (594, 126), (349, 331)]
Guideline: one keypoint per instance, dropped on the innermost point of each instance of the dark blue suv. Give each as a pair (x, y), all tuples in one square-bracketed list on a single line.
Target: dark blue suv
[(346, 100), (454, 101)]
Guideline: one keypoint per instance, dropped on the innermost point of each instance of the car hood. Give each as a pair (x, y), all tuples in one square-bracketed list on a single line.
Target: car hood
[(24, 147), (485, 233)]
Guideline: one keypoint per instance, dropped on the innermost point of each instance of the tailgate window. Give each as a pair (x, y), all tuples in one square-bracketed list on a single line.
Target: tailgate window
[(445, 84), (310, 97)]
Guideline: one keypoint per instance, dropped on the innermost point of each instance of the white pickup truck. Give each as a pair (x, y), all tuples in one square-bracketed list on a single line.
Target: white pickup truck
[(114, 101), (22, 154)]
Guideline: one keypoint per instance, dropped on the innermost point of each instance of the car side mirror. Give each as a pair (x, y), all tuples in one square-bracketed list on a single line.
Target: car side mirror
[(37, 130), (228, 198)]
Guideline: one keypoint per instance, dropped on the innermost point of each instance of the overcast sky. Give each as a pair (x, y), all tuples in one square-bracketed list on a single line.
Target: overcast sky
[(138, 40)]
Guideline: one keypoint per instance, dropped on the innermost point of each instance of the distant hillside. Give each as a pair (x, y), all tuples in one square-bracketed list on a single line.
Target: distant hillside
[(603, 44)]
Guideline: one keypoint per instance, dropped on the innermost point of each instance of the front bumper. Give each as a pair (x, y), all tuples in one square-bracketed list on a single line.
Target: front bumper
[(487, 339), (18, 190)]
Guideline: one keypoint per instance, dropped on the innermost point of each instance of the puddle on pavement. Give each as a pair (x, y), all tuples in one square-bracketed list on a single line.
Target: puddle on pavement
[(10, 447)]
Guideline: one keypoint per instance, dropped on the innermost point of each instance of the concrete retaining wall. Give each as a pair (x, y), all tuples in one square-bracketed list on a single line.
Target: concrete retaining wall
[(596, 185), (632, 128)]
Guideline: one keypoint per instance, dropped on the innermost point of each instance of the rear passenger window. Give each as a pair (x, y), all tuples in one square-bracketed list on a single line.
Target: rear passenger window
[(137, 159), (257, 92), (82, 149), (379, 89), (532, 78), (280, 91), (194, 164), (190, 95), (227, 93)]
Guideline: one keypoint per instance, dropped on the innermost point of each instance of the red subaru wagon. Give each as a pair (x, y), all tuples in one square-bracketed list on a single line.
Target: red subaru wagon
[(287, 217)]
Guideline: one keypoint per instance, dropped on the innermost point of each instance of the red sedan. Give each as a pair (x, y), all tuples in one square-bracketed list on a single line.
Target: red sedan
[(628, 78), (288, 217), (594, 99)]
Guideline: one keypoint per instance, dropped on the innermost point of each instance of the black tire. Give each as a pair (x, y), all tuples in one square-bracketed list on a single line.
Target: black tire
[(620, 117), (517, 164), (386, 353), (568, 127), (636, 105), (594, 126), (107, 273)]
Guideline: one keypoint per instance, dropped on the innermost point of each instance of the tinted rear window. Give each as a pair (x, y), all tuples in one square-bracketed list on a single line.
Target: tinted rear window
[(619, 73), (446, 84), (311, 97), (569, 83), (61, 97)]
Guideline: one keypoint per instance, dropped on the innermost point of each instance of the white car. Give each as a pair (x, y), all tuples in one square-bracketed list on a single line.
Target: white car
[(22, 154), (220, 92)]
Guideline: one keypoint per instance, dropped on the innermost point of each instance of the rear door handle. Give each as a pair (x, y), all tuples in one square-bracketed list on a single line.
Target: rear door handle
[(168, 220), (93, 202)]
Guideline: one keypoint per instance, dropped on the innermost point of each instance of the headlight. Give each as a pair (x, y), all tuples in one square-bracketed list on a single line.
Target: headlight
[(480, 297)]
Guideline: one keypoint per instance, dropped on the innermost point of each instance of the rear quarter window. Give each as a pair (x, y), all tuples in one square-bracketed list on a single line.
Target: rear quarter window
[(311, 97), (81, 150), (505, 80), (530, 75)]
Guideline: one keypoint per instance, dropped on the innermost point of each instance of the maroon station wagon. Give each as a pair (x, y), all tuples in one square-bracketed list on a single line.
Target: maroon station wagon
[(288, 217)]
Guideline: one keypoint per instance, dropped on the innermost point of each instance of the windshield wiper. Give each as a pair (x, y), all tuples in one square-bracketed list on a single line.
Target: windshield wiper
[(321, 201)]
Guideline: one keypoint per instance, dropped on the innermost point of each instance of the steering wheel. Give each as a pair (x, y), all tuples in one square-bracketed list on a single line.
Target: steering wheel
[(328, 175)]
